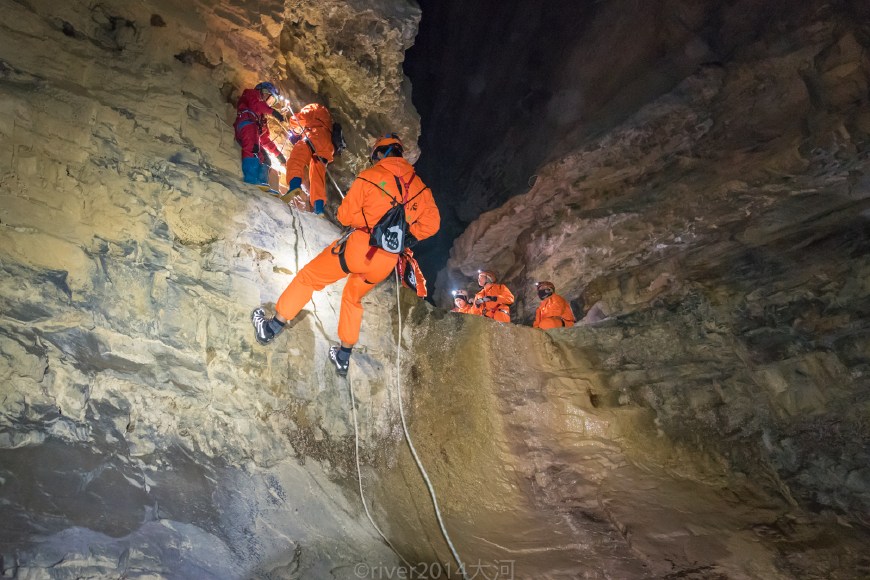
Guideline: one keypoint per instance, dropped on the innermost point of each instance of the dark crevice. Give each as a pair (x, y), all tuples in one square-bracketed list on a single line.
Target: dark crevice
[(191, 56)]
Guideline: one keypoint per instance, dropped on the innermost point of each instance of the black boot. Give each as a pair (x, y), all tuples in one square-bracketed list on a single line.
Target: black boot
[(265, 329), (340, 357)]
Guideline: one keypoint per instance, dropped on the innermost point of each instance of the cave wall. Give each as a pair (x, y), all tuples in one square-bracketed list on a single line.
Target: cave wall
[(721, 154), (713, 425), (561, 74), (644, 446), (716, 243), (143, 433)]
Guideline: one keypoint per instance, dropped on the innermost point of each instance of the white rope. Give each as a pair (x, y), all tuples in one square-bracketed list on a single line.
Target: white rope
[(337, 188), (359, 476), (408, 435)]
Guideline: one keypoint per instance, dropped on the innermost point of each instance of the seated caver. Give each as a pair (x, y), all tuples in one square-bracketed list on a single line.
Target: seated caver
[(553, 311), (493, 300)]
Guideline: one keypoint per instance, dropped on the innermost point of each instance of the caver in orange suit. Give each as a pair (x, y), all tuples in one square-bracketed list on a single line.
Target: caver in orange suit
[(315, 123), (363, 265), (494, 300), (553, 312), (461, 303)]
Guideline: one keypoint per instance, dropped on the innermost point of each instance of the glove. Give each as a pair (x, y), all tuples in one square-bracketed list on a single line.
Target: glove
[(491, 299), (255, 149), (479, 301), (281, 159), (318, 207), (266, 161), (278, 115)]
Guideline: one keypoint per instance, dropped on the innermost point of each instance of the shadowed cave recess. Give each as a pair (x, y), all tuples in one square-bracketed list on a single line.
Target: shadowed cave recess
[(691, 175)]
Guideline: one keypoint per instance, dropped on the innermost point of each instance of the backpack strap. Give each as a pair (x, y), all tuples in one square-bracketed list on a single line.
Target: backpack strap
[(387, 193), (403, 188), (416, 195)]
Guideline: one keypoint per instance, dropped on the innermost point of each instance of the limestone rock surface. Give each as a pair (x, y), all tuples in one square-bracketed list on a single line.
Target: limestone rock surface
[(143, 432), (716, 244), (710, 424)]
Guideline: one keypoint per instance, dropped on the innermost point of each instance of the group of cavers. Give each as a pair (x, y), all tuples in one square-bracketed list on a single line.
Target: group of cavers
[(314, 137), (494, 301), (387, 210)]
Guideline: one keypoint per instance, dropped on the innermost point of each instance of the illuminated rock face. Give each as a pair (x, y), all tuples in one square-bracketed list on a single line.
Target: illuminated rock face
[(716, 240), (142, 430), (713, 426)]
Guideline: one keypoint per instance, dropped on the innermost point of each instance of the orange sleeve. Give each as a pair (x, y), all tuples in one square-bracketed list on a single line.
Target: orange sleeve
[(314, 115), (505, 296), (566, 312), (292, 124), (302, 116), (545, 309), (428, 219), (350, 211)]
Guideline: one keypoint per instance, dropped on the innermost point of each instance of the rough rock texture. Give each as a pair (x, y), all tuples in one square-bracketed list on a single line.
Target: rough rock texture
[(722, 232), (142, 431), (713, 427), (621, 450), (560, 76), (351, 54)]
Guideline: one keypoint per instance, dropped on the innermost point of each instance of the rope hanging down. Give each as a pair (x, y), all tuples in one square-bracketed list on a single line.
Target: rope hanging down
[(408, 436), (359, 476)]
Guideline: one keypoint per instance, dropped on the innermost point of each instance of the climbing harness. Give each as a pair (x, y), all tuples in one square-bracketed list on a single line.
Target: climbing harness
[(411, 444), (339, 247)]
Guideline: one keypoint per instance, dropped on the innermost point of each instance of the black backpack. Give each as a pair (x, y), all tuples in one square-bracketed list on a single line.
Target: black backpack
[(338, 143), (391, 232)]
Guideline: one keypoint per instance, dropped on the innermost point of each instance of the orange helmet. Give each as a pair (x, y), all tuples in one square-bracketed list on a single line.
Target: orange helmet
[(545, 288), (489, 274), (385, 145)]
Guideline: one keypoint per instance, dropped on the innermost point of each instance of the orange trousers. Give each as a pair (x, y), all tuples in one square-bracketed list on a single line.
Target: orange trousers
[(499, 316), (554, 322), (300, 156), (326, 269)]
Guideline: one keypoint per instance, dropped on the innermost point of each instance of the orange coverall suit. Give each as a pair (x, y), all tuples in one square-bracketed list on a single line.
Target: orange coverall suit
[(498, 309), (467, 309), (553, 312), (363, 265), (316, 124)]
